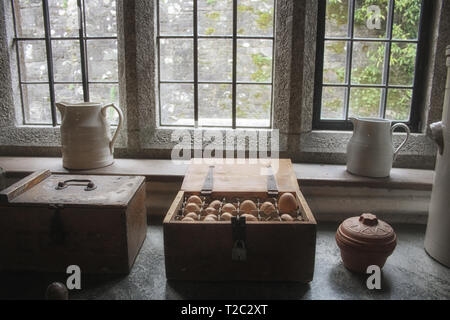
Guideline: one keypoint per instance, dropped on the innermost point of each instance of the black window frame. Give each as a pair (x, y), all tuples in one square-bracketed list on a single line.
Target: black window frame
[(82, 38), (418, 87), (195, 82)]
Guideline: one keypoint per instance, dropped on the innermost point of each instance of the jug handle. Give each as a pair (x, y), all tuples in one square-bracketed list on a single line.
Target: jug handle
[(119, 126), (408, 133)]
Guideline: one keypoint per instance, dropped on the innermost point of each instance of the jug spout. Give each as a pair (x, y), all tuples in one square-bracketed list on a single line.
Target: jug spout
[(61, 107)]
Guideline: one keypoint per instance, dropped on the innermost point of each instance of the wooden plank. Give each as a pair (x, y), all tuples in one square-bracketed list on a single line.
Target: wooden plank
[(18, 188)]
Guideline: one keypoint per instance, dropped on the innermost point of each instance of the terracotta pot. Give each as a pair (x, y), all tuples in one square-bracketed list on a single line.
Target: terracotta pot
[(365, 241)]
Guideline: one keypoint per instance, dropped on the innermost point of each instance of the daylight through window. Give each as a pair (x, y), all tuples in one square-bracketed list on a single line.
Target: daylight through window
[(369, 55), (215, 63), (66, 51)]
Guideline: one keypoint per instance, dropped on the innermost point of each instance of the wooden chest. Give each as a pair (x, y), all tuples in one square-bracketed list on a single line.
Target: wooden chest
[(48, 222), (268, 249)]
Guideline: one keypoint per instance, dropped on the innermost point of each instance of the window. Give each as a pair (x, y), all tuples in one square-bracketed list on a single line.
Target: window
[(369, 53), (66, 50), (215, 63)]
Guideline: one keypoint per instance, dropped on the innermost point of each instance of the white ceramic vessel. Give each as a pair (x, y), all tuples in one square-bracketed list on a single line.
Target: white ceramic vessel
[(437, 237), (86, 135), (370, 151)]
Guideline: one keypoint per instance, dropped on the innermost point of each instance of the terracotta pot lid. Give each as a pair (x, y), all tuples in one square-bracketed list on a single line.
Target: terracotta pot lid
[(367, 231)]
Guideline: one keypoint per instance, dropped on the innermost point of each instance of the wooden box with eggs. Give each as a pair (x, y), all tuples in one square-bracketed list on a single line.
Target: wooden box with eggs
[(240, 220)]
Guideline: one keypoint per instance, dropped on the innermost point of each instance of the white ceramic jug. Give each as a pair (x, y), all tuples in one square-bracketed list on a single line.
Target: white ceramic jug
[(437, 237), (86, 136), (370, 152)]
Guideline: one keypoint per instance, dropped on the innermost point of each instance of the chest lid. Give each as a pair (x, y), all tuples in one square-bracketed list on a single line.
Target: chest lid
[(43, 188), (240, 175)]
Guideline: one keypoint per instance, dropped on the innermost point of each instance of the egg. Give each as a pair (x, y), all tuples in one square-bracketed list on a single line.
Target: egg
[(249, 207), (249, 217), (267, 209), (192, 207), (215, 204), (210, 217), (287, 203), (226, 216), (192, 215), (286, 217), (209, 211), (230, 208), (195, 199), (188, 219)]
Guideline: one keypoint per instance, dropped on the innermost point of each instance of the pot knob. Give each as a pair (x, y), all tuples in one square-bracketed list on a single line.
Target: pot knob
[(368, 219)]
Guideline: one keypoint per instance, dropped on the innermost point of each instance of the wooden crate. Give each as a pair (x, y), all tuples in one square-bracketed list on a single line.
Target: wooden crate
[(274, 250), (46, 228)]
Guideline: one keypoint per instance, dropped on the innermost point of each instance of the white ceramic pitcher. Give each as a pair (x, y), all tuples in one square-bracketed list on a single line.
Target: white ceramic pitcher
[(86, 136), (370, 151)]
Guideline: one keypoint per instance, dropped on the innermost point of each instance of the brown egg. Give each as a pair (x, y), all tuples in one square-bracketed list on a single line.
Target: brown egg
[(249, 207), (230, 208), (188, 219), (286, 217), (249, 217), (226, 216), (210, 217), (215, 204), (192, 207), (209, 211), (287, 203), (267, 209), (195, 199), (192, 215)]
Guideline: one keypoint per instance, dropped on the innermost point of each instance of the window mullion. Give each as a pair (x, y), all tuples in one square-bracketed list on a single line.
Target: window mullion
[(195, 30), (233, 110), (351, 29), (83, 52), (387, 59), (48, 45)]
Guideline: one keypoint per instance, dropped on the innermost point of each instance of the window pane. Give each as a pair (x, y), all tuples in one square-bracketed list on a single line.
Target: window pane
[(336, 18), (335, 55), (214, 105), (63, 18), (370, 18), (106, 94), (102, 60), (215, 59), (176, 17), (72, 93), (253, 104), (215, 17), (66, 60), (29, 18), (177, 104), (406, 19), (255, 17), (364, 102), (36, 104), (403, 60), (254, 60), (368, 62), (399, 104), (101, 18), (33, 61), (333, 99), (177, 57)]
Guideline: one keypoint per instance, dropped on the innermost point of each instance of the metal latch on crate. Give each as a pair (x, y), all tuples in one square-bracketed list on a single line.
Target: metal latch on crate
[(208, 184), (272, 188), (239, 251)]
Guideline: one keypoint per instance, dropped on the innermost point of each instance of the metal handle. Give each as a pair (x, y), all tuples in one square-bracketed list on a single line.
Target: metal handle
[(119, 126), (88, 183), (408, 133)]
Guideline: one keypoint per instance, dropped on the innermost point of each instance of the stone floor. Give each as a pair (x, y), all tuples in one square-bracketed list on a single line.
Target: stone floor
[(408, 274)]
